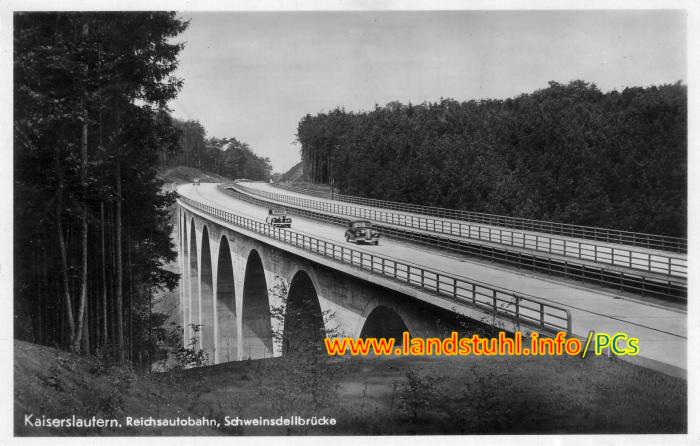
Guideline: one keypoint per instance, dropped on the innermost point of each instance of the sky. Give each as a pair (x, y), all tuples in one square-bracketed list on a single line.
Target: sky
[(254, 75)]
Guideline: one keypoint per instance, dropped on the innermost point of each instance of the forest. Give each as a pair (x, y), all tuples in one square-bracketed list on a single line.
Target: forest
[(227, 157), (566, 153), (91, 221)]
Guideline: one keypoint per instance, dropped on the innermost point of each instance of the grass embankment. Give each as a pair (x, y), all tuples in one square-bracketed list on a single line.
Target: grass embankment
[(366, 395), (293, 175), (184, 174)]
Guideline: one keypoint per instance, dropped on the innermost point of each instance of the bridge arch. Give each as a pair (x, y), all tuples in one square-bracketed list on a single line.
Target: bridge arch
[(256, 320), (207, 297), (304, 327), (193, 299), (226, 324), (384, 322)]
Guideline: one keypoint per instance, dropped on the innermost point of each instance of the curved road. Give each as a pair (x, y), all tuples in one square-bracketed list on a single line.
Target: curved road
[(637, 259), (661, 331)]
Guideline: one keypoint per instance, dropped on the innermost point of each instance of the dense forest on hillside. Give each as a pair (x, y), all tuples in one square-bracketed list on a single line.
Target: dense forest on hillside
[(567, 153), (227, 157), (91, 223)]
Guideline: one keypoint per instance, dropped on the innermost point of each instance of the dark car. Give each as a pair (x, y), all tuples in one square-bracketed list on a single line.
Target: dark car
[(278, 218), (362, 231)]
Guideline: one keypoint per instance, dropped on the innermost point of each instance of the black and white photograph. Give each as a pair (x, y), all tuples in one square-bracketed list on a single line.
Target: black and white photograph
[(349, 222)]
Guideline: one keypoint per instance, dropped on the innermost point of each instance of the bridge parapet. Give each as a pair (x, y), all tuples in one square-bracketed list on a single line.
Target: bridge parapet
[(503, 304), (653, 284), (650, 241), (671, 265)]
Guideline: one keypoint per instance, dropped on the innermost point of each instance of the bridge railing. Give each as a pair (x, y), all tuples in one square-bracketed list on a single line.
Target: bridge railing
[(662, 263), (624, 280), (501, 304), (651, 241)]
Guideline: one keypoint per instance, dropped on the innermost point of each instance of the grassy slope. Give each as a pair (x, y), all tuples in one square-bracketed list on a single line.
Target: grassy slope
[(58, 384), (293, 175), (366, 396), (183, 174)]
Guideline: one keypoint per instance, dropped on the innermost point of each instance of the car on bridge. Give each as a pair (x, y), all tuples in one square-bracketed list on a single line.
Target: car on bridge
[(195, 181), (361, 231), (278, 218)]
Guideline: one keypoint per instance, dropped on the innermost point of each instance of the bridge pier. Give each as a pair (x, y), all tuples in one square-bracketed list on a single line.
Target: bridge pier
[(195, 291), (226, 336), (206, 302)]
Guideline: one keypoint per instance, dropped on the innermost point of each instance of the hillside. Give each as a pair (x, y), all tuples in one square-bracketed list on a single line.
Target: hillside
[(293, 175), (184, 174), (57, 384), (367, 396)]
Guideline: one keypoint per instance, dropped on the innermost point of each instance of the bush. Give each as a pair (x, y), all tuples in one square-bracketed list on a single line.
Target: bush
[(191, 356)]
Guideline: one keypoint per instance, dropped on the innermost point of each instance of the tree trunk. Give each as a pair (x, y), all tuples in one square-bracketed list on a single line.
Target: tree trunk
[(85, 335), (118, 247), (44, 297), (78, 334), (62, 248), (150, 328), (130, 306), (105, 331), (105, 336), (113, 278)]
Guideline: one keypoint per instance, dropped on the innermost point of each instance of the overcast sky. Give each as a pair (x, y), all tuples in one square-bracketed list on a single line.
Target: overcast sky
[(254, 75)]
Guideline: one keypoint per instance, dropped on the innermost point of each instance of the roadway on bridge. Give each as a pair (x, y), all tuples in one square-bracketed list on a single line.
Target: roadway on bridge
[(662, 332), (639, 259)]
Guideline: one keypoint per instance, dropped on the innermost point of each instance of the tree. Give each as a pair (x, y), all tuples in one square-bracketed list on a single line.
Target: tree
[(90, 93), (227, 157), (567, 153)]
